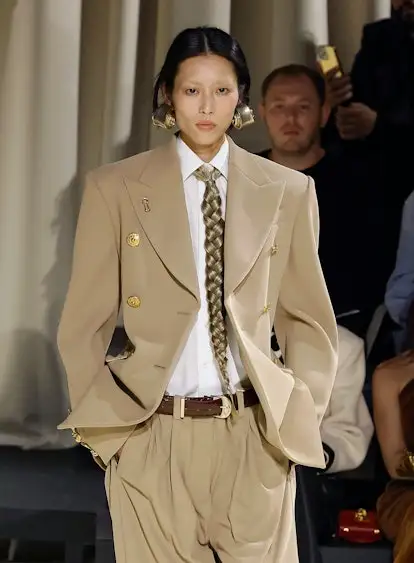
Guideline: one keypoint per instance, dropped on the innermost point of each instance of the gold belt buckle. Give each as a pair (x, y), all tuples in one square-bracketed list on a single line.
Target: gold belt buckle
[(226, 407)]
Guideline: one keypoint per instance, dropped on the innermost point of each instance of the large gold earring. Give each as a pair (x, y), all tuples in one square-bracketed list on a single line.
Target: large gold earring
[(243, 116), (164, 117)]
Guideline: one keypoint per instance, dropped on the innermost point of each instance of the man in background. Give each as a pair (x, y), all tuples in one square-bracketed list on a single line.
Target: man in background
[(356, 248), (380, 87)]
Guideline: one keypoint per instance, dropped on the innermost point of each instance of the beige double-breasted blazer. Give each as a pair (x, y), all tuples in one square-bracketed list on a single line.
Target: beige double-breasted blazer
[(133, 250)]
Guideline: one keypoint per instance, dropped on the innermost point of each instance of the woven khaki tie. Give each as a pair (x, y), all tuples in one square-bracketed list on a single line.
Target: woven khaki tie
[(214, 247)]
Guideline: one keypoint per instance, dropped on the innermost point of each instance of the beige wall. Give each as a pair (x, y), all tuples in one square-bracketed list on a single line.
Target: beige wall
[(346, 20), (267, 43)]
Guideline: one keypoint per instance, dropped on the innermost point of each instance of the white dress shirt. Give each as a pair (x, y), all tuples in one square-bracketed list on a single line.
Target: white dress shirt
[(197, 373)]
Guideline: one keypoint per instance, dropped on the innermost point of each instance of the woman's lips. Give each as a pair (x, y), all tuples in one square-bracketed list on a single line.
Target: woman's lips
[(205, 125)]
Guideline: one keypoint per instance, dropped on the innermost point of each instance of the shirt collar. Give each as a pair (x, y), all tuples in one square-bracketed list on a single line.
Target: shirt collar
[(189, 161)]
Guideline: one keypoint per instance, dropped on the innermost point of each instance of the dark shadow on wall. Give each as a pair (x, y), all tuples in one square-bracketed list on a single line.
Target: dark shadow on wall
[(144, 79), (308, 50), (56, 281), (63, 228)]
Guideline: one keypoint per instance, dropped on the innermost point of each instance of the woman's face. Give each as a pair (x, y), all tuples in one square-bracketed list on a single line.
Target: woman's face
[(204, 98)]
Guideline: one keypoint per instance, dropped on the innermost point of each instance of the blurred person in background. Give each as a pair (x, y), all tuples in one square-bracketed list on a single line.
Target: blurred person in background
[(358, 235), (400, 288), (393, 394), (380, 86), (346, 427)]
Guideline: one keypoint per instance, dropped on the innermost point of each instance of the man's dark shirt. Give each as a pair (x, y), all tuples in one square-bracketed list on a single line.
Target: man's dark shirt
[(359, 228), (383, 79)]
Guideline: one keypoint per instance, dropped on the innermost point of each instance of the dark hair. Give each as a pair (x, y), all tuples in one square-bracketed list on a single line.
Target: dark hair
[(196, 41), (297, 70)]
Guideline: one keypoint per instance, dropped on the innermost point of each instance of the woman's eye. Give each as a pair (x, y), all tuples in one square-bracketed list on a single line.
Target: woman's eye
[(191, 91), (223, 91)]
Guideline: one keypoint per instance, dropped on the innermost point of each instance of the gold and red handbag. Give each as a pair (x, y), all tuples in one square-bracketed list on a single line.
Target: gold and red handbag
[(360, 526)]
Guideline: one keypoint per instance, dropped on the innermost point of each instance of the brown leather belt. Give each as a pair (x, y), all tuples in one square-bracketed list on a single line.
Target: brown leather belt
[(217, 407)]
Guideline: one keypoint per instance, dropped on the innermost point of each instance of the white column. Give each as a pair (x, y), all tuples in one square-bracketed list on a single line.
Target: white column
[(313, 21), (381, 9), (120, 84), (141, 126), (38, 193), (109, 49), (265, 31), (284, 44)]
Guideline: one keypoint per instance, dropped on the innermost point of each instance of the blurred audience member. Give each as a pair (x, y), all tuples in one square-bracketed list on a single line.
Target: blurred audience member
[(381, 84), (393, 393), (356, 250), (347, 426), (400, 289)]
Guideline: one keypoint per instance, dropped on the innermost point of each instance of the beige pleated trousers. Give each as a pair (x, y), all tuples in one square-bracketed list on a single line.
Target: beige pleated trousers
[(183, 487)]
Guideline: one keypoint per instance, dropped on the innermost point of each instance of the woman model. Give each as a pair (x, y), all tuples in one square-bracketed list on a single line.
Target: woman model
[(204, 246)]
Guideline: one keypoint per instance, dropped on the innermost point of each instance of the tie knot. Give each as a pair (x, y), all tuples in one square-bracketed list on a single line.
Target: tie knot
[(207, 173)]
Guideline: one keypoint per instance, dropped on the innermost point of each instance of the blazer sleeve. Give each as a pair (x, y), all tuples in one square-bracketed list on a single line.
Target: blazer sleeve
[(347, 428), (304, 322), (91, 309)]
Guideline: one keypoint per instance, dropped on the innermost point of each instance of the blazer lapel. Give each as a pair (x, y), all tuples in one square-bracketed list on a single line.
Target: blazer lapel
[(159, 201), (253, 201)]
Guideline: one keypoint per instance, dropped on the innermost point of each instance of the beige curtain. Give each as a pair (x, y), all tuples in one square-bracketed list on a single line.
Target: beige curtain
[(75, 92), (67, 84)]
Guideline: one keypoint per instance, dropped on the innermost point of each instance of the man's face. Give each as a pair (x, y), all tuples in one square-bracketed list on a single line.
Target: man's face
[(405, 8), (293, 114)]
